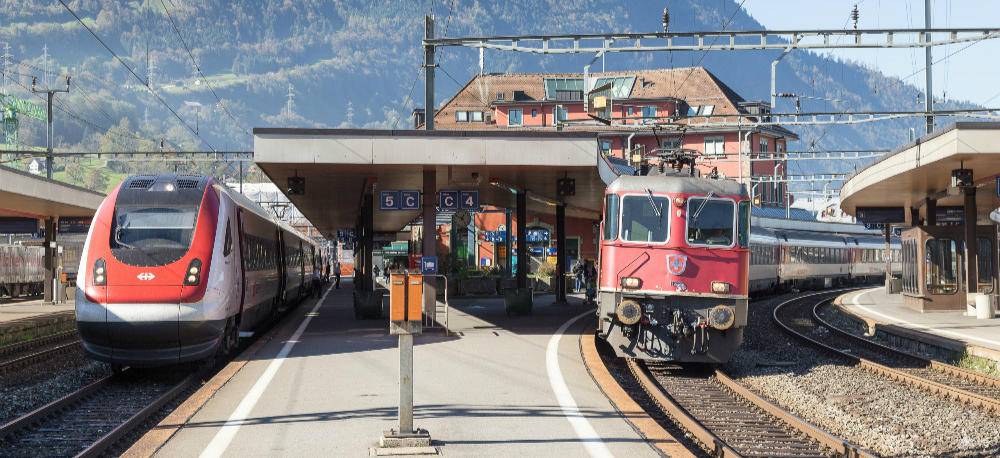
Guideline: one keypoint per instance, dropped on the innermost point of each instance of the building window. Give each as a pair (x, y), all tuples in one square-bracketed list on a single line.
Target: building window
[(606, 146), (649, 112), (629, 111), (534, 112), (477, 116), (707, 110), (763, 145), (462, 116), (499, 95), (715, 146), (515, 117), (779, 147)]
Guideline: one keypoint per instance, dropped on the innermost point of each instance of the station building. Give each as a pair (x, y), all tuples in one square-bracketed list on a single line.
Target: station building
[(687, 104)]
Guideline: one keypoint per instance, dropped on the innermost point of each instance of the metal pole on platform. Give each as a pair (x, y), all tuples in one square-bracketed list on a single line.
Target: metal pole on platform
[(971, 242), (50, 261), (522, 239), (429, 73), (429, 241), (561, 253), (406, 383), (928, 73)]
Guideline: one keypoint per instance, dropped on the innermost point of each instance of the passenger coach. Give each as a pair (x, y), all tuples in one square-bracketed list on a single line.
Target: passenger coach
[(176, 268)]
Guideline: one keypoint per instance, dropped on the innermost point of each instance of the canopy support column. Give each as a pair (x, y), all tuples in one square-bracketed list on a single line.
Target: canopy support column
[(560, 253), (971, 242)]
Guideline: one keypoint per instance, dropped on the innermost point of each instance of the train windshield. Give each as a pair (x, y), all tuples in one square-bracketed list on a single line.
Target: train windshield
[(147, 236), (644, 218), (710, 221)]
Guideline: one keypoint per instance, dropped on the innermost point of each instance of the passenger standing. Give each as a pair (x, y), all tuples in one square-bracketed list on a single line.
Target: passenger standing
[(578, 275), (336, 274), (590, 279)]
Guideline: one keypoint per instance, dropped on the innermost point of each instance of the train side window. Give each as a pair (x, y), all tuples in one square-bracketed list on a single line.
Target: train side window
[(744, 224), (227, 246), (611, 217)]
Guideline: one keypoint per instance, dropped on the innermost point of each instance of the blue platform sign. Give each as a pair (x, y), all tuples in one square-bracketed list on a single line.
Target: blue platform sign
[(429, 265), (469, 200), (998, 186), (448, 200), (388, 200), (409, 200)]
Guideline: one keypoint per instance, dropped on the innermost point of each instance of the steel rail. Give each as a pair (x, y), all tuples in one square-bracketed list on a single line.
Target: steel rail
[(700, 432), (718, 446), (79, 398), (33, 356), (947, 369), (934, 387)]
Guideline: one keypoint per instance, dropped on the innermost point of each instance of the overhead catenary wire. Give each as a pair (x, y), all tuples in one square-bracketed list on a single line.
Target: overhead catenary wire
[(197, 67), (136, 76)]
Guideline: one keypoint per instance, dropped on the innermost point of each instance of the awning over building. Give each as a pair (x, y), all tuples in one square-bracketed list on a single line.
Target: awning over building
[(922, 170), (24, 194), (337, 164)]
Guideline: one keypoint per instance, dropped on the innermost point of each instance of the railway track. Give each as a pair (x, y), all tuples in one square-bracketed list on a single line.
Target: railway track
[(800, 317), (730, 420), (92, 419), (29, 352)]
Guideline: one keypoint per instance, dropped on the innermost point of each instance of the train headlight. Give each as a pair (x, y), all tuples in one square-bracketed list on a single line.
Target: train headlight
[(722, 317), (193, 276), (631, 282), (99, 273), (628, 312), (679, 201), (720, 287)]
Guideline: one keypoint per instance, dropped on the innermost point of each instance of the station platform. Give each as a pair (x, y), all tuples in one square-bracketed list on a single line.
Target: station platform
[(17, 309), (952, 329), (497, 386)]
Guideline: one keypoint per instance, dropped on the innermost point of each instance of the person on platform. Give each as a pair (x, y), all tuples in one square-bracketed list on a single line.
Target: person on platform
[(578, 275), (590, 280), (336, 274)]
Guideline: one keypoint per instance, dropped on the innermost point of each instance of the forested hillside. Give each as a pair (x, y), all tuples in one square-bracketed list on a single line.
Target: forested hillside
[(353, 63)]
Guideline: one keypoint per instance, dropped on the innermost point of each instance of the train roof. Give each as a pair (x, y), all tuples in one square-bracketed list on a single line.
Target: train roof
[(676, 183)]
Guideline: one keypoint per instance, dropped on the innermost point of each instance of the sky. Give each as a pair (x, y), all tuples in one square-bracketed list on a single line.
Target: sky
[(971, 74)]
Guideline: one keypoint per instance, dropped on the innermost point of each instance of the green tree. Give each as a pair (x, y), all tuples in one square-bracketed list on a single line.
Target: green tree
[(96, 180)]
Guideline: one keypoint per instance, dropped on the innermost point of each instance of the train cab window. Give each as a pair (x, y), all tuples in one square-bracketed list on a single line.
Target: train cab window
[(744, 224), (645, 218), (144, 235), (941, 269), (611, 217), (984, 260), (227, 246), (710, 221)]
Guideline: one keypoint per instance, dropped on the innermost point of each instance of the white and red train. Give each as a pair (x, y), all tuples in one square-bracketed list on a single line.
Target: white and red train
[(673, 279), (177, 267)]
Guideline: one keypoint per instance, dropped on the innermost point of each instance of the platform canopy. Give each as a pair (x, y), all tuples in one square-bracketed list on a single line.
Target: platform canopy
[(28, 195), (922, 170), (338, 164)]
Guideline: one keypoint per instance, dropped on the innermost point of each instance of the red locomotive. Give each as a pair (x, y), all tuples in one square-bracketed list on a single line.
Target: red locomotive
[(673, 277), (176, 268)]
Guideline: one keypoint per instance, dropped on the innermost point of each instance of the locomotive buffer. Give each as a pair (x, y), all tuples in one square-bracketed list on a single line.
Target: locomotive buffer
[(406, 293)]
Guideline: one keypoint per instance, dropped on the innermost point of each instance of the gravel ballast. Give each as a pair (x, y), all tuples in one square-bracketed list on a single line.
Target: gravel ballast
[(874, 412), (34, 386)]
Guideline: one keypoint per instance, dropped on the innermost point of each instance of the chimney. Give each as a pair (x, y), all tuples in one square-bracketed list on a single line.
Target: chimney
[(419, 117)]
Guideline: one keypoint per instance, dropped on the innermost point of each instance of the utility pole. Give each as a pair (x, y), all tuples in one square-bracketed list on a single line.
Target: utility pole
[(49, 132), (6, 66), (429, 73), (928, 73)]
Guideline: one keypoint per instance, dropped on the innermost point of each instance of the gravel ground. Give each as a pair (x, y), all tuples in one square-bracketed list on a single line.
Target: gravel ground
[(868, 410), (31, 387)]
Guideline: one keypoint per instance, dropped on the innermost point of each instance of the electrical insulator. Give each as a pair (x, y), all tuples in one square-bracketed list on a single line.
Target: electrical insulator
[(855, 15), (666, 19)]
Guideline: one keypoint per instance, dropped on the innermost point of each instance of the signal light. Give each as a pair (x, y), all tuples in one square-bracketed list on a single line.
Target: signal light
[(193, 276), (100, 271)]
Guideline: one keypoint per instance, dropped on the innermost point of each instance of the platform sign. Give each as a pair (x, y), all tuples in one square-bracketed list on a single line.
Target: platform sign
[(998, 186), (881, 215), (448, 200), (469, 200), (388, 200), (428, 265), (409, 200)]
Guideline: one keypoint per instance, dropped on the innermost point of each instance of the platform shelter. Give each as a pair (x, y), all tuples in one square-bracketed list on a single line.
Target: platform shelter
[(337, 179), (939, 190)]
